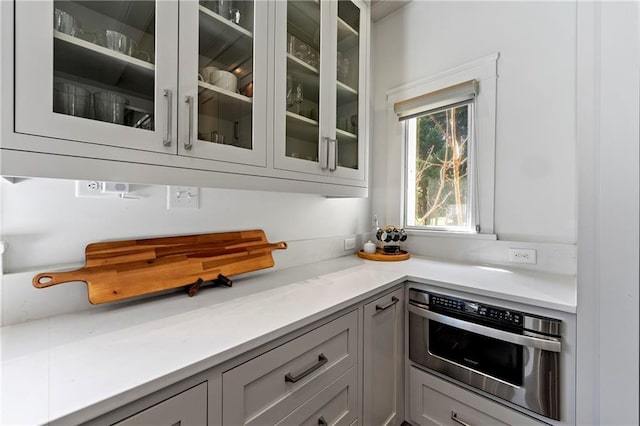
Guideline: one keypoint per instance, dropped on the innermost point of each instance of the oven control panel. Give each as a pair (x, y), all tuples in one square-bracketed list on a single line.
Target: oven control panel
[(478, 310)]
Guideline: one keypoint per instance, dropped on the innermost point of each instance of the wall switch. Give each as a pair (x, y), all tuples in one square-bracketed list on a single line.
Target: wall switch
[(517, 255), (349, 243), (183, 197)]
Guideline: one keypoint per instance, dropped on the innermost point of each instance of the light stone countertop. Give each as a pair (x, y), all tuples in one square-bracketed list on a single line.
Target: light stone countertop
[(78, 366)]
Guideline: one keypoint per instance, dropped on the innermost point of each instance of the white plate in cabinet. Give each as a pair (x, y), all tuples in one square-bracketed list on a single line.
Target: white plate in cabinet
[(334, 405), (267, 388), (188, 408), (434, 401)]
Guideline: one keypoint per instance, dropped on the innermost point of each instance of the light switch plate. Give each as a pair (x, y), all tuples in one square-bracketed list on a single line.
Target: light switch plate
[(183, 197)]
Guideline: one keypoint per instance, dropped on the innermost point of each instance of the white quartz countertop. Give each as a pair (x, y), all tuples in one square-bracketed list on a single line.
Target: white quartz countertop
[(78, 366)]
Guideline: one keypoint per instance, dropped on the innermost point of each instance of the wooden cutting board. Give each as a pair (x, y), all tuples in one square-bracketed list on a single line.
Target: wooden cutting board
[(123, 269)]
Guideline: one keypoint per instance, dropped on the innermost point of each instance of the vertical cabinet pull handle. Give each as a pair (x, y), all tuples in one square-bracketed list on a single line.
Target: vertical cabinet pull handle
[(322, 421), (166, 93), (324, 154), (394, 300), (189, 143), (454, 417), (333, 154), (322, 360)]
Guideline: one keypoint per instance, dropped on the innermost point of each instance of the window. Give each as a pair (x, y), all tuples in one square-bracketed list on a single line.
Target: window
[(439, 190), (441, 135)]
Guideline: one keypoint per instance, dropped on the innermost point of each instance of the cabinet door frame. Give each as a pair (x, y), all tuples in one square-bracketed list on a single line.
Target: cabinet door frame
[(370, 312), (188, 86), (363, 97), (34, 39), (281, 160)]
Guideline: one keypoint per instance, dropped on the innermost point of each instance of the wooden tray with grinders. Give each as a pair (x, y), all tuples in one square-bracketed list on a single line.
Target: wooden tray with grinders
[(388, 250)]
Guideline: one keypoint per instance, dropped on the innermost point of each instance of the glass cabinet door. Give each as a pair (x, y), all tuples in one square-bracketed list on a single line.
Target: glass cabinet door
[(301, 139), (223, 51), (349, 87), (319, 86), (93, 71)]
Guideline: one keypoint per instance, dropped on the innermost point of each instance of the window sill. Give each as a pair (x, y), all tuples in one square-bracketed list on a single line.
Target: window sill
[(451, 234)]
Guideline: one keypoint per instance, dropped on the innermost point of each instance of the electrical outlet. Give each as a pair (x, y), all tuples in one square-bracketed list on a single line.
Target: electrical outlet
[(517, 255), (349, 243), (101, 189), (183, 197)]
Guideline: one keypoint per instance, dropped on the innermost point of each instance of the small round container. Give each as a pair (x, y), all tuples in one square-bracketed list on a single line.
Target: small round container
[(369, 247)]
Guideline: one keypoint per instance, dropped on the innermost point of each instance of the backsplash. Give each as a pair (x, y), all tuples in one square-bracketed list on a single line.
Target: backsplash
[(45, 227)]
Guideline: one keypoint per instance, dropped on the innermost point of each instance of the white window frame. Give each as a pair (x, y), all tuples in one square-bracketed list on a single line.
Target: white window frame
[(484, 71)]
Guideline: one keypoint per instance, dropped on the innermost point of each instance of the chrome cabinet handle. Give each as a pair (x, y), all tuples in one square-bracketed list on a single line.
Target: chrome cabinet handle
[(167, 137), (189, 143), (322, 360), (322, 421), (549, 344), (394, 300), (324, 154), (333, 155), (454, 417)]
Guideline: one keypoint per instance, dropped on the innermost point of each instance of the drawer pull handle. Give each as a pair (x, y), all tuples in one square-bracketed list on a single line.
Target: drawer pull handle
[(322, 360), (394, 300), (454, 417), (322, 421)]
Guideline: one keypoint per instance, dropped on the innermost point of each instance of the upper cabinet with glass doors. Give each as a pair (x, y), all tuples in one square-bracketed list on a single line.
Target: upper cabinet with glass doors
[(320, 83), (223, 79), (109, 73), (97, 71)]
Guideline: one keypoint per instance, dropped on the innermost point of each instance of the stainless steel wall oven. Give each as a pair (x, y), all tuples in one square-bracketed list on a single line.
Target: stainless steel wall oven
[(510, 354)]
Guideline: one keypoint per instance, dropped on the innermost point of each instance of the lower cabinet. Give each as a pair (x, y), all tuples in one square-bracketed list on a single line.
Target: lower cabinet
[(434, 401), (286, 381), (382, 360), (188, 408)]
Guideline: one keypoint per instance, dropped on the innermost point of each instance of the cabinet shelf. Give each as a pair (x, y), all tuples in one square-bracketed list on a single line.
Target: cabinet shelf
[(346, 94), (227, 45), (220, 103), (76, 45), (347, 37), (302, 128), (303, 20), (214, 20), (347, 135), (206, 88), (89, 61), (297, 65)]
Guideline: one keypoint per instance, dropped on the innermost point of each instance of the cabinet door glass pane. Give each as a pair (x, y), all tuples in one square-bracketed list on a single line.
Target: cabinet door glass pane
[(225, 77), (303, 79), (347, 82), (104, 64)]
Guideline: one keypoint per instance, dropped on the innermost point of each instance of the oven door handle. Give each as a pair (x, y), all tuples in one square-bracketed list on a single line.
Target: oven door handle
[(552, 345)]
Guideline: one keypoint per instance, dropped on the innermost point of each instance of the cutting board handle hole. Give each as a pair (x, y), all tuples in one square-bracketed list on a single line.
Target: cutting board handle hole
[(45, 279)]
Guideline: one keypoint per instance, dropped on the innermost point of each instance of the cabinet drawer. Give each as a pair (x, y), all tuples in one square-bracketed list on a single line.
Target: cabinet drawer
[(334, 405), (434, 401), (188, 408), (272, 385)]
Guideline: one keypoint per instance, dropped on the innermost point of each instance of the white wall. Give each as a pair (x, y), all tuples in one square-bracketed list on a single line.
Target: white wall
[(45, 225), (535, 132)]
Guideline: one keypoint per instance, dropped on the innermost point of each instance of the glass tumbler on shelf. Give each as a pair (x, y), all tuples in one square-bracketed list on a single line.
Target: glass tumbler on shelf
[(299, 95), (344, 70)]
